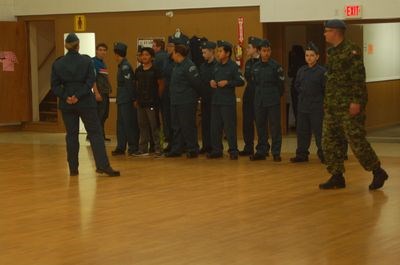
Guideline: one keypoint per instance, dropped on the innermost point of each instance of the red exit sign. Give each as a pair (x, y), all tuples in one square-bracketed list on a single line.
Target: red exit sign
[(353, 11)]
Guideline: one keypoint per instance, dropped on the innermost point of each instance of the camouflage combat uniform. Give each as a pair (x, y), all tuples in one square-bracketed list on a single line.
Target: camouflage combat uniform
[(345, 84)]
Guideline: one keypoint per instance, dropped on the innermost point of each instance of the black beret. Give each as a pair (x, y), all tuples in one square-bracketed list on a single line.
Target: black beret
[(180, 41), (335, 24), (120, 49), (208, 45), (265, 43), (223, 43), (254, 41), (71, 37), (312, 47)]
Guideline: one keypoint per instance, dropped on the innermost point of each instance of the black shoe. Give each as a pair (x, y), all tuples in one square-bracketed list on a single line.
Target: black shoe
[(257, 156), (334, 182), (172, 154), (109, 171), (233, 156), (204, 150), (299, 159), (107, 139), (277, 158), (192, 155), (245, 153), (117, 152), (74, 173), (380, 176), (214, 155)]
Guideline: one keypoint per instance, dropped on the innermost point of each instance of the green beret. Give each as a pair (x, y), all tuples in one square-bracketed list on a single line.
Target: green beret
[(335, 24), (222, 43), (71, 37), (254, 41), (208, 45)]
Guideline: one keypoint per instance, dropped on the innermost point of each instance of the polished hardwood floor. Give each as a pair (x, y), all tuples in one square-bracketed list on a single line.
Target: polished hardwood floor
[(175, 211)]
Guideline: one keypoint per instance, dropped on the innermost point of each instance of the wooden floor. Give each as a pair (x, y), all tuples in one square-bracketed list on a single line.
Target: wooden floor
[(190, 212)]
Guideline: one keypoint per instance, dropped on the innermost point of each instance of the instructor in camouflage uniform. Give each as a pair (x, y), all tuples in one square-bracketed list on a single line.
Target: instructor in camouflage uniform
[(344, 105)]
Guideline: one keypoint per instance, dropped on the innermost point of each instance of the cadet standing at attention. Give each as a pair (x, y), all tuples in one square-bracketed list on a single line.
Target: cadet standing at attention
[(226, 78), (310, 85), (206, 75), (345, 101), (268, 78), (72, 79), (248, 98), (184, 87), (127, 123)]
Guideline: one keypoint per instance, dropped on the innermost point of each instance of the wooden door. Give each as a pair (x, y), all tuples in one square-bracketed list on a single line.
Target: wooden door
[(15, 96)]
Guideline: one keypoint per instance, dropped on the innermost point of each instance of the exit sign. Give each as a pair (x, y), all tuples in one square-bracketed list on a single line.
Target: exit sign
[(353, 11)]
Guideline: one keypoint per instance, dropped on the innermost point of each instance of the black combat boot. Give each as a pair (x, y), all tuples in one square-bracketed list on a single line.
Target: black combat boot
[(380, 176), (335, 182), (277, 158), (245, 153), (109, 171)]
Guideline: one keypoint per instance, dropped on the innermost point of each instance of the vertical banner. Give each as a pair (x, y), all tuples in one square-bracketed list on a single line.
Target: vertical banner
[(238, 49)]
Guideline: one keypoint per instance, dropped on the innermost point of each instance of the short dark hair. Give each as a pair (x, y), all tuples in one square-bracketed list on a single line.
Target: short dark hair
[(159, 43), (227, 49), (101, 45), (148, 50), (181, 49)]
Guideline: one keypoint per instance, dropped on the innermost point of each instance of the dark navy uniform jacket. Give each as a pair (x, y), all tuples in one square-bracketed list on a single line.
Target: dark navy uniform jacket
[(310, 83), (125, 83), (206, 75), (229, 71), (269, 81), (160, 58), (248, 72), (74, 74), (185, 82), (168, 66)]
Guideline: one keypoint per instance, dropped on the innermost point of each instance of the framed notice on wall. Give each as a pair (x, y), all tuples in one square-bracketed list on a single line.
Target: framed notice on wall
[(146, 42)]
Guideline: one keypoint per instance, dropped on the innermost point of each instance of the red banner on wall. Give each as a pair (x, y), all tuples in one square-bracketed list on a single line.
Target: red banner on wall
[(240, 30)]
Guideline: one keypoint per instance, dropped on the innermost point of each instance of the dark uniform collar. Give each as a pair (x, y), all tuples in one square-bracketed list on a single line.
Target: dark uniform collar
[(123, 61), (72, 52)]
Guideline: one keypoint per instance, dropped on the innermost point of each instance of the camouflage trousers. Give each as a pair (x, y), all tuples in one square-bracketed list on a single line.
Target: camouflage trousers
[(339, 128)]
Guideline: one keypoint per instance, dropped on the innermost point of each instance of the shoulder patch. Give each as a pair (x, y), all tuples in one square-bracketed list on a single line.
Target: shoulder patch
[(125, 67), (192, 68)]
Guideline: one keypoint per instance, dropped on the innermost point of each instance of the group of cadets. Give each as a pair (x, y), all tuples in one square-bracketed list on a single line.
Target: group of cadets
[(170, 83)]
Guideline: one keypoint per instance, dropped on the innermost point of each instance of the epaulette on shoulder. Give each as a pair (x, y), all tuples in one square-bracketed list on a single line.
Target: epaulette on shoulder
[(58, 58), (86, 56)]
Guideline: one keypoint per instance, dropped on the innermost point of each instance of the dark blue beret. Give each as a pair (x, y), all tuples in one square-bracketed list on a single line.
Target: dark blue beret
[(180, 41), (71, 37), (265, 43), (335, 24), (223, 43), (312, 47), (254, 41), (208, 45), (120, 49)]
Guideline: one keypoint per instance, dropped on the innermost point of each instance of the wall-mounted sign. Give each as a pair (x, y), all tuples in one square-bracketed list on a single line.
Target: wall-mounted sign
[(80, 23), (353, 11), (8, 59)]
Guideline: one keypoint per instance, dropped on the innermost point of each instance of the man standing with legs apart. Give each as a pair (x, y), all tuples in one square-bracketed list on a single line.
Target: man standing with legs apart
[(345, 101), (72, 79)]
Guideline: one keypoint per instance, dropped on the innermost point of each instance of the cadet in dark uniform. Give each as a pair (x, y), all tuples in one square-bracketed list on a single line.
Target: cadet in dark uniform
[(248, 99), (206, 75), (127, 123), (72, 79), (345, 101), (226, 78), (310, 85), (165, 98), (268, 78), (185, 82), (160, 54), (102, 84)]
